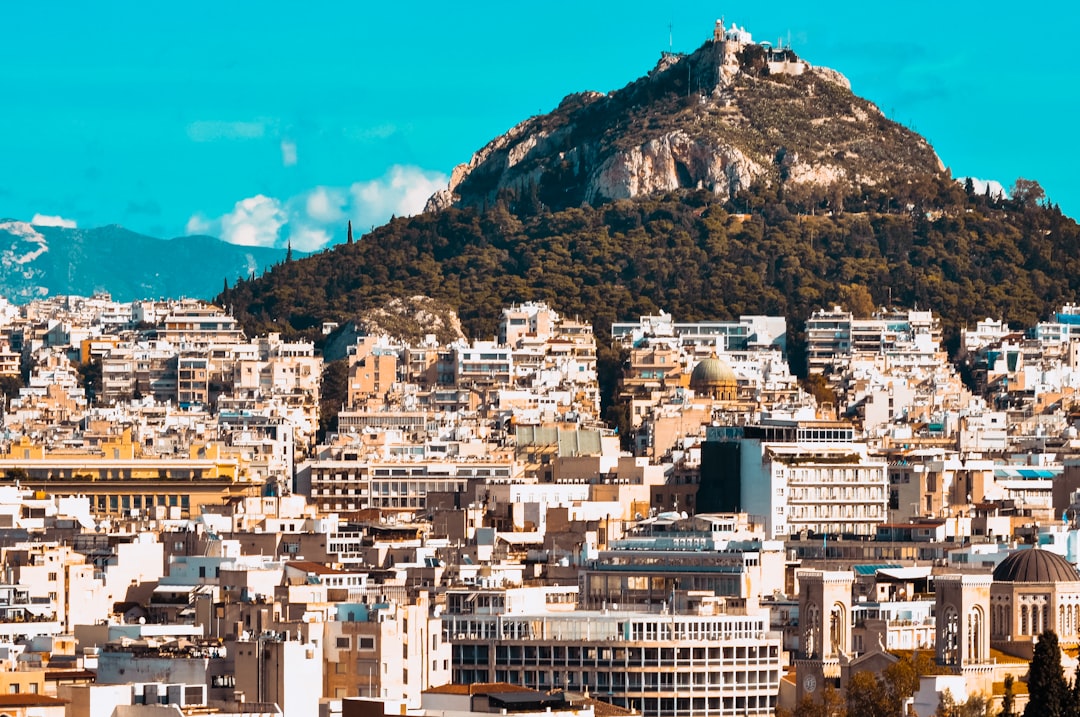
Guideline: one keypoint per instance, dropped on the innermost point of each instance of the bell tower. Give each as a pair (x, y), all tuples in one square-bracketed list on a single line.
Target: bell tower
[(825, 625), (962, 607)]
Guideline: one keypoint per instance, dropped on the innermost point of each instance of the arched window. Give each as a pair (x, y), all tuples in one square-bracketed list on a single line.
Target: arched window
[(812, 633), (974, 635), (1024, 620), (949, 648), (837, 629)]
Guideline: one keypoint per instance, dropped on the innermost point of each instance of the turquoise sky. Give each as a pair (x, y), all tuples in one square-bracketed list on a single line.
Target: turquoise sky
[(261, 122)]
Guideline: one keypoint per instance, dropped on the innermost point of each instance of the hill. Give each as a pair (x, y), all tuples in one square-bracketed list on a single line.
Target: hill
[(837, 205), (43, 261), (727, 116), (963, 255)]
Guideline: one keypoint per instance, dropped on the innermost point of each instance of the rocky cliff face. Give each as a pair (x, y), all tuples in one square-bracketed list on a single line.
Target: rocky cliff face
[(720, 119)]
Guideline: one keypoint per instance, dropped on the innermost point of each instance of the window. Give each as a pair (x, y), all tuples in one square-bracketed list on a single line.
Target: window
[(344, 643), (367, 643)]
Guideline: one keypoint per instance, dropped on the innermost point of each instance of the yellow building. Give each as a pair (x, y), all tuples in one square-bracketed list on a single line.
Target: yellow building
[(119, 480)]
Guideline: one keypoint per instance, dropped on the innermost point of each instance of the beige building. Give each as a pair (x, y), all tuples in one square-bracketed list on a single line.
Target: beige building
[(119, 480), (389, 651)]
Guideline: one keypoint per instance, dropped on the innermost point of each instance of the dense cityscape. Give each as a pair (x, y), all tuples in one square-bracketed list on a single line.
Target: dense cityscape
[(472, 537), (714, 394)]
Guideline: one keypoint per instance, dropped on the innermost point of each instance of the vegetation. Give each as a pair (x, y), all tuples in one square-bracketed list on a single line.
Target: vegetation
[(90, 378), (870, 695), (1049, 691), (1008, 700), (919, 243), (10, 385), (333, 394), (888, 229)]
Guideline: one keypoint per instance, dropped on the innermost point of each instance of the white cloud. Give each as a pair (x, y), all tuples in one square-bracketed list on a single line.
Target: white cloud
[(316, 218), (254, 221), (326, 204), (980, 186), (211, 130), (45, 220), (402, 191), (306, 238), (288, 153), (198, 224)]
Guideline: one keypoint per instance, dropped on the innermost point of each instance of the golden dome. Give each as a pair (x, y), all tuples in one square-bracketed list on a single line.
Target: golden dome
[(713, 377)]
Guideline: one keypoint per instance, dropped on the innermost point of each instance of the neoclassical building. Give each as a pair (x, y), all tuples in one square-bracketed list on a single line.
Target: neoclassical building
[(1034, 590)]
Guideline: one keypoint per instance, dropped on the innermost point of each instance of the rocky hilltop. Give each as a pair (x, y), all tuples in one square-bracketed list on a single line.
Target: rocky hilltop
[(731, 114)]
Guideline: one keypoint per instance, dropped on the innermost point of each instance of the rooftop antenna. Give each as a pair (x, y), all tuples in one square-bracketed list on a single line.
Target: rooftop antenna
[(670, 36)]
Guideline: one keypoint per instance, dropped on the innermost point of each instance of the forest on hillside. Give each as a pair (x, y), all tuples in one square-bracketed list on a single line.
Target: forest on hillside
[(925, 242)]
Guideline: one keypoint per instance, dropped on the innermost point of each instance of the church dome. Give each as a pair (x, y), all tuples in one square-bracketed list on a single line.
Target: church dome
[(713, 377), (1035, 566)]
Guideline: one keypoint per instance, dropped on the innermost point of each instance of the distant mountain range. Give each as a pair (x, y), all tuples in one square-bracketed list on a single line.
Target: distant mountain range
[(38, 261)]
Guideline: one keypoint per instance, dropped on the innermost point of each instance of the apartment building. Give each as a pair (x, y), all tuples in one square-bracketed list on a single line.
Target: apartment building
[(799, 476), (659, 663)]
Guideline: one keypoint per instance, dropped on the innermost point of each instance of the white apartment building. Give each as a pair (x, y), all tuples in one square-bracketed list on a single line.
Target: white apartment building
[(662, 664), (798, 476), (834, 336)]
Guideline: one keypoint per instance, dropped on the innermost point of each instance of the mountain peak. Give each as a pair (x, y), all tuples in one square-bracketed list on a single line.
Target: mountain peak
[(733, 113)]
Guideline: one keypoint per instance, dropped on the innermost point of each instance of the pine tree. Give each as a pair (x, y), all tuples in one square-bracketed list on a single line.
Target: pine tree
[(1073, 707), (288, 252), (1047, 686), (349, 240), (1008, 700)]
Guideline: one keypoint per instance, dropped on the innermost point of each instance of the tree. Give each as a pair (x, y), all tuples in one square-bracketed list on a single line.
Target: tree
[(1049, 692), (901, 678), (831, 705), (858, 300), (1027, 193), (1073, 706), (946, 704), (818, 386), (349, 239), (977, 705), (334, 392), (10, 385), (867, 696), (90, 378), (1008, 700)]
